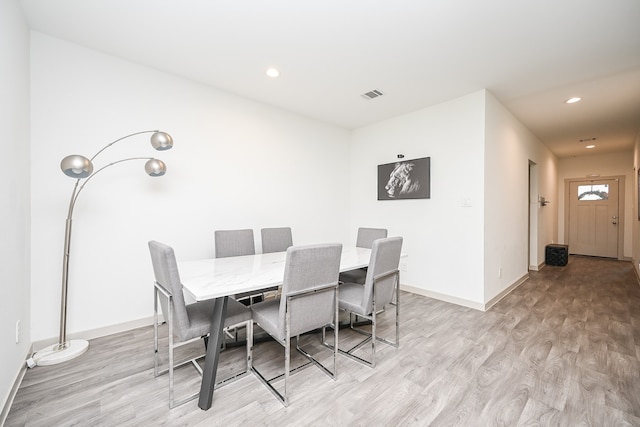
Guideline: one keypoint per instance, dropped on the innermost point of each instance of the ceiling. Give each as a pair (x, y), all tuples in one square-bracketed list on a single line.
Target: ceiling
[(531, 54)]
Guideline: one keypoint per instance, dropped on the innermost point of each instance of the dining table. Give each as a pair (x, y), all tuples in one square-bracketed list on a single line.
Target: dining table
[(220, 278)]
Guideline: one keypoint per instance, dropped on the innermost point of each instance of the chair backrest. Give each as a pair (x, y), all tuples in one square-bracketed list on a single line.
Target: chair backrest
[(276, 239), (166, 273), (366, 236), (385, 258), (306, 268), (233, 243)]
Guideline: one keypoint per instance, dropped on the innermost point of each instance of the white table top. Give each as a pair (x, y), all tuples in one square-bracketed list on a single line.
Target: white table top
[(217, 277)]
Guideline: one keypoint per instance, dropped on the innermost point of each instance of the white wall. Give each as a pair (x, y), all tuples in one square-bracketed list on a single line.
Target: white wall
[(14, 193), (603, 165), (480, 153), (235, 164), (443, 239), (509, 149)]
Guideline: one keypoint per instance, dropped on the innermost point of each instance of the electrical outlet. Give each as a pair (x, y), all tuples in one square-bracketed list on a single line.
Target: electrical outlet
[(17, 332), (500, 273)]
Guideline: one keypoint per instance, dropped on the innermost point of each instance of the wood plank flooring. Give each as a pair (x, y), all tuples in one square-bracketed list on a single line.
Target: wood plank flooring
[(561, 350)]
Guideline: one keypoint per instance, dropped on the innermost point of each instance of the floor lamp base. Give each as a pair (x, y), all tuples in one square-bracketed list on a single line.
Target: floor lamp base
[(52, 356)]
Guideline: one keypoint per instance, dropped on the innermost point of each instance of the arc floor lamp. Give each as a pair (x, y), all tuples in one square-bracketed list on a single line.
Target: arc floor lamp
[(81, 167)]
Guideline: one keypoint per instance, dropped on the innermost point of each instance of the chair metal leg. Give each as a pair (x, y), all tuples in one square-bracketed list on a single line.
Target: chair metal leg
[(286, 343), (249, 338), (171, 402), (287, 362), (371, 336), (284, 397), (336, 328), (161, 293), (155, 331), (334, 348), (331, 374)]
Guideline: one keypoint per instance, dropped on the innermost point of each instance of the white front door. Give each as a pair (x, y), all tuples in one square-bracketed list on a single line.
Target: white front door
[(594, 217)]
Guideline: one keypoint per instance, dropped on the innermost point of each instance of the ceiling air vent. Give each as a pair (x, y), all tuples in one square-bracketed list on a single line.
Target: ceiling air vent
[(372, 94)]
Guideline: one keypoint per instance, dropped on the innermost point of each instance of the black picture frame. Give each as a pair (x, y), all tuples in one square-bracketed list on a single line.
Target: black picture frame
[(406, 179)]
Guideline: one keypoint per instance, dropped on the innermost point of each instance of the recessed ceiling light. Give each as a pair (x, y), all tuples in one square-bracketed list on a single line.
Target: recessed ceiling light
[(590, 146), (273, 72), (572, 100)]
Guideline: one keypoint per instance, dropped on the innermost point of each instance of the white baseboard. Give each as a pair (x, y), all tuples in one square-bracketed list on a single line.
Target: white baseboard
[(97, 333), (14, 389), (464, 302), (537, 267), (443, 297), (493, 301)]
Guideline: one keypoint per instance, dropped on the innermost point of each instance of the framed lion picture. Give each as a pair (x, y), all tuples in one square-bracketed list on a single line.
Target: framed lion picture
[(406, 179)]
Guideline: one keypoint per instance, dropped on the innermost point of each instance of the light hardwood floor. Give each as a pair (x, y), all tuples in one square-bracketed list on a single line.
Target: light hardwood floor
[(561, 350)]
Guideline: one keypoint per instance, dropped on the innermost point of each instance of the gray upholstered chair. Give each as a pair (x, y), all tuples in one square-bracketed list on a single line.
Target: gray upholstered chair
[(233, 243), (366, 236), (382, 282), (308, 302), (276, 239), (188, 322), (228, 243), (365, 239)]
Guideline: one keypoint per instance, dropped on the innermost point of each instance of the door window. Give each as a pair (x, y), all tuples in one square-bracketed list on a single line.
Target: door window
[(593, 192)]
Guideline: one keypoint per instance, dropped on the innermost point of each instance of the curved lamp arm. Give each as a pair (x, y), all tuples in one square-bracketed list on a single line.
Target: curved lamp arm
[(153, 167), (159, 140), (79, 167)]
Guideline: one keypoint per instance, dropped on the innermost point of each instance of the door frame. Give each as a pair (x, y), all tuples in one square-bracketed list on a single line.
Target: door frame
[(532, 212), (621, 205)]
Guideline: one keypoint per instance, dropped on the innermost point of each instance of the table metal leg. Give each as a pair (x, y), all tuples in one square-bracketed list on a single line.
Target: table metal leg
[(213, 353)]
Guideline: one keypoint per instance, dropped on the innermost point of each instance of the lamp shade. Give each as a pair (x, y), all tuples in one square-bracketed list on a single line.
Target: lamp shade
[(161, 141), (155, 167), (76, 166)]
